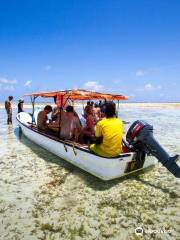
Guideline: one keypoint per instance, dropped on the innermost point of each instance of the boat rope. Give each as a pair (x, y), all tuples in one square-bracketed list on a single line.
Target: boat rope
[(65, 147), (75, 153)]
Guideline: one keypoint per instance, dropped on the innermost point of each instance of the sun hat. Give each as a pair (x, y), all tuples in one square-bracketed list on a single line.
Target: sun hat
[(21, 100)]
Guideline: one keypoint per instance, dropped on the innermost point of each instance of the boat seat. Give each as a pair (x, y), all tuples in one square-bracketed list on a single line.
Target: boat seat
[(32, 125)]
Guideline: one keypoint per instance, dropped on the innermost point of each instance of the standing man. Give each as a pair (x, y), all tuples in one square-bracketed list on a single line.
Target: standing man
[(8, 107)]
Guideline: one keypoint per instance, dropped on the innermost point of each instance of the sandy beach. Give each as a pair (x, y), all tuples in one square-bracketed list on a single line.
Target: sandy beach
[(44, 197), (121, 105)]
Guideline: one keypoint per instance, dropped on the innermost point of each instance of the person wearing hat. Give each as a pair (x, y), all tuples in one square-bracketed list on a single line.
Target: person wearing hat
[(20, 105)]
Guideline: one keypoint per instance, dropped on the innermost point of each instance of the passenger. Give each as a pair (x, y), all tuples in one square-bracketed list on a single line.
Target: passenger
[(89, 130), (88, 103), (55, 113), (60, 105), (69, 123), (20, 105), (42, 118), (100, 103), (87, 106), (92, 104), (76, 115), (97, 112), (108, 134), (103, 106), (8, 107)]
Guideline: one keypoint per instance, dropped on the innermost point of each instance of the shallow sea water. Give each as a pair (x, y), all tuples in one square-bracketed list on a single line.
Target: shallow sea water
[(44, 197)]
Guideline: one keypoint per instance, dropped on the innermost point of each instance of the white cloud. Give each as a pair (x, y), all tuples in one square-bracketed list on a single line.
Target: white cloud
[(140, 73), (9, 88), (7, 84), (93, 85), (159, 87), (47, 68), (7, 81), (148, 86), (27, 84)]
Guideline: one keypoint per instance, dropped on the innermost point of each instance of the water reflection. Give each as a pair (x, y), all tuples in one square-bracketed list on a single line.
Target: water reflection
[(18, 133)]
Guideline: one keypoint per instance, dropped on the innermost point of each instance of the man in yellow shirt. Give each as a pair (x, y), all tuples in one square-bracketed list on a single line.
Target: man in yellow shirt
[(109, 132)]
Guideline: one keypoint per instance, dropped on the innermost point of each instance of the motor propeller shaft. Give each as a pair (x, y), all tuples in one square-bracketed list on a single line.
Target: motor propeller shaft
[(154, 148), (141, 134)]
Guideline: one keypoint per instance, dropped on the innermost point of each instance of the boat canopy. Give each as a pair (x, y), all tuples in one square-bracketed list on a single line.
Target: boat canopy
[(78, 94)]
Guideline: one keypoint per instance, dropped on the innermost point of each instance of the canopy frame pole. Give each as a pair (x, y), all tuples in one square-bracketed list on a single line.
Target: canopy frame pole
[(65, 101), (60, 117), (33, 104), (117, 109), (83, 105)]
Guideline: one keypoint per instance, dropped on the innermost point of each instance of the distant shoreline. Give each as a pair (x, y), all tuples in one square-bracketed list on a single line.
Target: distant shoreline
[(123, 105)]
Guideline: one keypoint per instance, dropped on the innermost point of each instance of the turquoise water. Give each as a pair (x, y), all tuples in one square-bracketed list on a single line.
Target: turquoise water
[(43, 197)]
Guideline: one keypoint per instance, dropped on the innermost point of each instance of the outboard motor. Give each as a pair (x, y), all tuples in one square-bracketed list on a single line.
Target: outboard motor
[(140, 137)]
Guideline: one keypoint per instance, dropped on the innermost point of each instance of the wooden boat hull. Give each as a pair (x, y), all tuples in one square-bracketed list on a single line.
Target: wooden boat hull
[(103, 168)]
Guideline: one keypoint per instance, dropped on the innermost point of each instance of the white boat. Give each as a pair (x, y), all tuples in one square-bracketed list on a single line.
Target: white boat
[(78, 154)]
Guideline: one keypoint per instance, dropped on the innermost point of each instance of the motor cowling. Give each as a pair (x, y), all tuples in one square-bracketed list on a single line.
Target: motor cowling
[(140, 137), (134, 130)]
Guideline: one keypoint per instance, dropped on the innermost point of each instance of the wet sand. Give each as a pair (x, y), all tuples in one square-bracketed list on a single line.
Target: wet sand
[(44, 197)]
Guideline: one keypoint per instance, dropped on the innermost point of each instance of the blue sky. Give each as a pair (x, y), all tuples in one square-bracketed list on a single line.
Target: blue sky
[(129, 47)]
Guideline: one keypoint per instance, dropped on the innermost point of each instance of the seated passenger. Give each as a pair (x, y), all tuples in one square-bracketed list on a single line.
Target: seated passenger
[(89, 131), (86, 107), (92, 104), (42, 118), (70, 127), (76, 115), (108, 134), (55, 112), (97, 112)]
